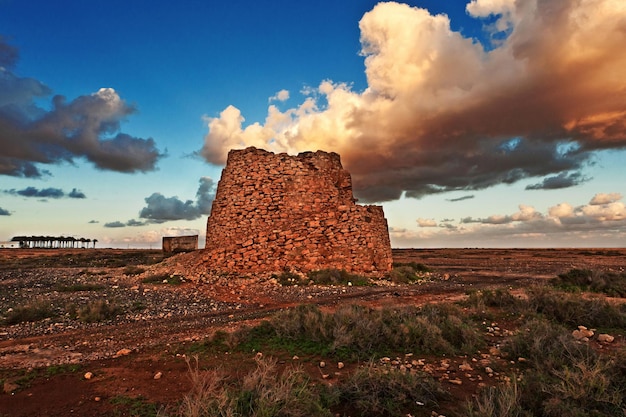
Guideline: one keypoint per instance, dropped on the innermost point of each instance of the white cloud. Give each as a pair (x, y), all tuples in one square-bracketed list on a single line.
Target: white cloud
[(443, 113), (426, 222), (598, 225), (282, 95), (602, 198)]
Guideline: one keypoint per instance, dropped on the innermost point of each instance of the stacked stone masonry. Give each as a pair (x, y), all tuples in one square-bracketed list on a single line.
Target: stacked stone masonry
[(274, 212)]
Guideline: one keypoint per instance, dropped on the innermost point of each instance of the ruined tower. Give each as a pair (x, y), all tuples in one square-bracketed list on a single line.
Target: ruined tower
[(275, 211)]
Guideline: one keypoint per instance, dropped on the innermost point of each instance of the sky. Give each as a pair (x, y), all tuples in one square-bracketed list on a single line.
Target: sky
[(486, 123)]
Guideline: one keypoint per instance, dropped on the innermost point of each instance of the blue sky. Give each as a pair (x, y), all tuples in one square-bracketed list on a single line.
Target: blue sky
[(486, 124)]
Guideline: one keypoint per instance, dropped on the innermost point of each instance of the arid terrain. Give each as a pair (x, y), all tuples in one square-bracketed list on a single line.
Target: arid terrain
[(116, 331)]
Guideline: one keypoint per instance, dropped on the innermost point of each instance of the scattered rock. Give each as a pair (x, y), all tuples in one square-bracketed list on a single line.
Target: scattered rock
[(465, 367), (322, 364), (605, 338), (97, 399), (455, 381), (582, 333), (122, 352), (88, 375), (158, 375), (340, 365), (10, 387)]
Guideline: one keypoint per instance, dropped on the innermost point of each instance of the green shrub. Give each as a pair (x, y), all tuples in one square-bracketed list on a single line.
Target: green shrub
[(337, 277), (417, 267), (610, 283), (34, 311), (358, 332), (263, 392), (164, 279), (498, 401), (79, 287), (289, 278), (133, 270), (573, 310), (96, 311), (377, 392), (134, 406), (564, 377)]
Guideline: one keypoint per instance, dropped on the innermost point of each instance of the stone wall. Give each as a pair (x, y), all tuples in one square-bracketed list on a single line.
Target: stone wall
[(274, 212), (174, 244)]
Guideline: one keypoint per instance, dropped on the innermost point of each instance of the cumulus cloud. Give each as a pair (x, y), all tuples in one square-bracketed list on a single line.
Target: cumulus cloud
[(93, 222), (602, 198), (601, 222), (4, 212), (160, 209), (45, 193), (442, 112), (87, 127), (282, 95), (563, 180), (426, 222)]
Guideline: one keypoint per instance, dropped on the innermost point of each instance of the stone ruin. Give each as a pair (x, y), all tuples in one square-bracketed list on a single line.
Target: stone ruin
[(176, 244), (275, 212)]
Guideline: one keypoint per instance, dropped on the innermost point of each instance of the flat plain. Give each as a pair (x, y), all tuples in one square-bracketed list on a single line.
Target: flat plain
[(112, 334)]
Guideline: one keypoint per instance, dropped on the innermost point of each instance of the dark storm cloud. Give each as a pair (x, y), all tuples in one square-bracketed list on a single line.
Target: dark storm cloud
[(76, 194), (160, 209), (563, 180), (205, 195), (133, 222), (38, 193), (4, 212), (117, 223), (45, 193), (114, 224), (86, 127), (465, 197)]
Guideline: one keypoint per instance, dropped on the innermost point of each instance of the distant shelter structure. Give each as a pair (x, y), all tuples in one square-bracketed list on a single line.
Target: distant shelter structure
[(53, 242), (176, 244)]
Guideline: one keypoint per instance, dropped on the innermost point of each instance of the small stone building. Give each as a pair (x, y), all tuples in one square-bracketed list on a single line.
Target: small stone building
[(175, 244), (275, 211)]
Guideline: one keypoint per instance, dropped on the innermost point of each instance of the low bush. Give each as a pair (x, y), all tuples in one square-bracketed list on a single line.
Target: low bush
[(164, 279), (574, 310), (133, 270), (406, 273), (610, 283), (79, 287), (358, 332), (337, 277), (34, 311), (498, 401), (289, 278), (376, 392), (263, 392), (99, 310), (563, 378)]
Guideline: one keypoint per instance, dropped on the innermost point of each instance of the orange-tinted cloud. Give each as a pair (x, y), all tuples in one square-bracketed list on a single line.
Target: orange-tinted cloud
[(443, 112)]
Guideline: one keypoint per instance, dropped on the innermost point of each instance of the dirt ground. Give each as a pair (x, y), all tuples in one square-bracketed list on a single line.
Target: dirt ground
[(138, 358)]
